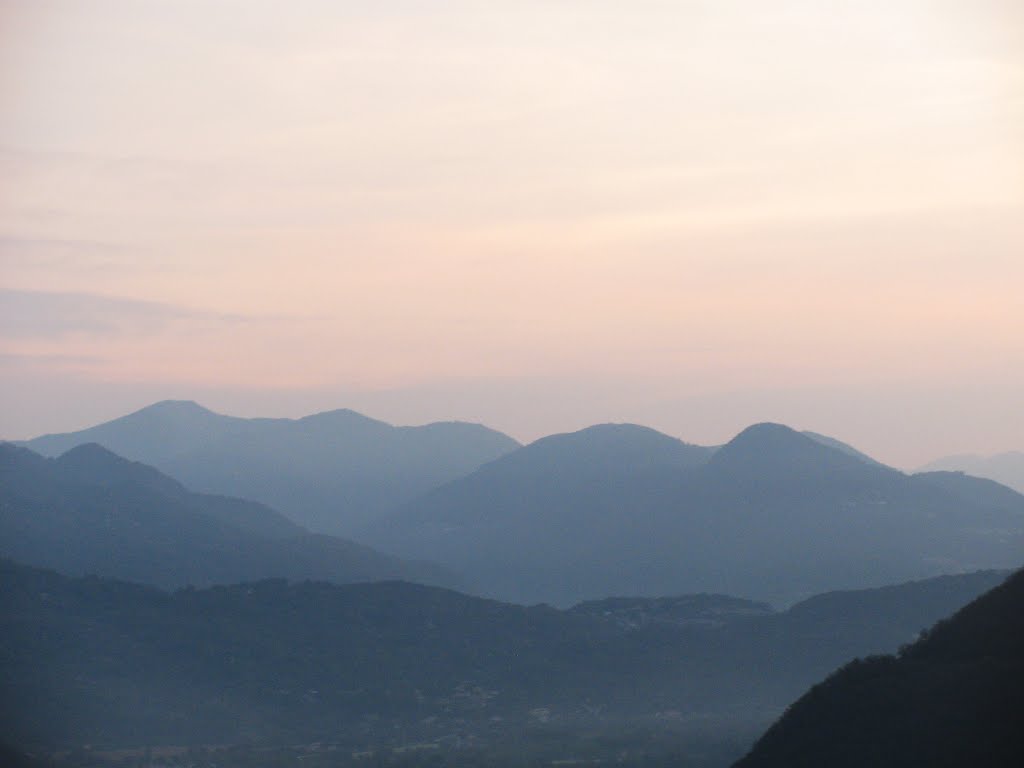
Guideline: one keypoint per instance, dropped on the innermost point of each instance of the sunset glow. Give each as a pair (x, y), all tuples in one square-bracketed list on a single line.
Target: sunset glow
[(692, 215)]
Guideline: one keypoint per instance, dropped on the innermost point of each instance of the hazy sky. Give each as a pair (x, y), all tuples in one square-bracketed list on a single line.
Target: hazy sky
[(539, 215)]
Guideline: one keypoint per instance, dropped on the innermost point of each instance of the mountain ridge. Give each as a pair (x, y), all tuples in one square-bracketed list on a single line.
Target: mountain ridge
[(271, 661), (1006, 468), (328, 471), (772, 515), (92, 511)]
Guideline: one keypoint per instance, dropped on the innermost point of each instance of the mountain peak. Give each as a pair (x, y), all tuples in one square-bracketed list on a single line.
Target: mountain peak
[(768, 434), (94, 464), (183, 413), (18, 457), (175, 408), (614, 445), (621, 429), (342, 416), (610, 434), (91, 452), (770, 448)]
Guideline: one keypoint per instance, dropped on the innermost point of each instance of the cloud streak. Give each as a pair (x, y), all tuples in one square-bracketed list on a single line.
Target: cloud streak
[(51, 315)]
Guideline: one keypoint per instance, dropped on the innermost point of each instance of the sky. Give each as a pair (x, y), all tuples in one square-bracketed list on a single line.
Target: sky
[(694, 215)]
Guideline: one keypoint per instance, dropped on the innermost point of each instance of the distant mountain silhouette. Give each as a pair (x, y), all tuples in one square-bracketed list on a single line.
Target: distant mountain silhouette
[(953, 698), (1006, 468), (329, 472), (91, 511), (100, 661), (772, 515)]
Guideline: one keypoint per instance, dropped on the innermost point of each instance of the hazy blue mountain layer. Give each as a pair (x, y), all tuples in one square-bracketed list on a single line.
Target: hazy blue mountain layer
[(329, 472), (91, 511), (106, 662), (953, 698), (1006, 468), (773, 515)]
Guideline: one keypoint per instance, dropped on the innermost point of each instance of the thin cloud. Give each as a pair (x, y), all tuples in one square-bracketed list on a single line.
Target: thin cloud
[(27, 361), (62, 254), (55, 315)]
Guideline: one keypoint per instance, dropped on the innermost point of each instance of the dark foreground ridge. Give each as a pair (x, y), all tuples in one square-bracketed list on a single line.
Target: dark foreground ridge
[(953, 698)]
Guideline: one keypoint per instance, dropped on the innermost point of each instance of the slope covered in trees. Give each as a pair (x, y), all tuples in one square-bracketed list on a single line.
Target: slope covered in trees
[(955, 697), (106, 662)]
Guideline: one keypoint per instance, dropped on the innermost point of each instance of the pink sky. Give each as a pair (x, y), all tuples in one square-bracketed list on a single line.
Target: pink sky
[(695, 215)]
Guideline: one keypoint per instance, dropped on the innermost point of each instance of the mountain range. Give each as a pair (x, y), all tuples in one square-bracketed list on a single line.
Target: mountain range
[(330, 472), (286, 636), (772, 515), (90, 511), (615, 509)]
